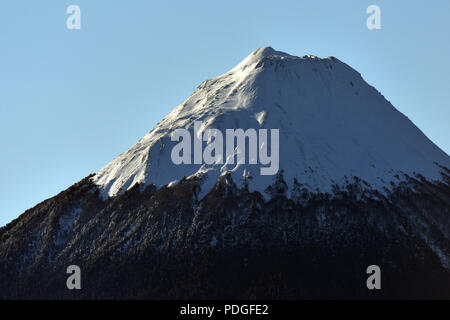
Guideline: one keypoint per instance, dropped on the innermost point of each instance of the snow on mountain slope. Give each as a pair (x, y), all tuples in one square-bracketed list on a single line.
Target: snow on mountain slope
[(332, 126)]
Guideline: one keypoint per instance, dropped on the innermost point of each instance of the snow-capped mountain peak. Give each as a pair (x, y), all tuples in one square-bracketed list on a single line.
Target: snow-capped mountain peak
[(329, 132), (261, 53), (332, 126)]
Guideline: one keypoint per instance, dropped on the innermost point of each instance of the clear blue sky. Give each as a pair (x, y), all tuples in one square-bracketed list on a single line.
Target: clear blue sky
[(72, 100)]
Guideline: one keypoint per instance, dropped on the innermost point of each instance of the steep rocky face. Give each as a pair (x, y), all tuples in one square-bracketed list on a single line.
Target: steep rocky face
[(167, 243)]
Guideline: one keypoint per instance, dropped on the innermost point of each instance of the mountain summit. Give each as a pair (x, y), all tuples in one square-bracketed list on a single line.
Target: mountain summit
[(344, 185), (332, 125)]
